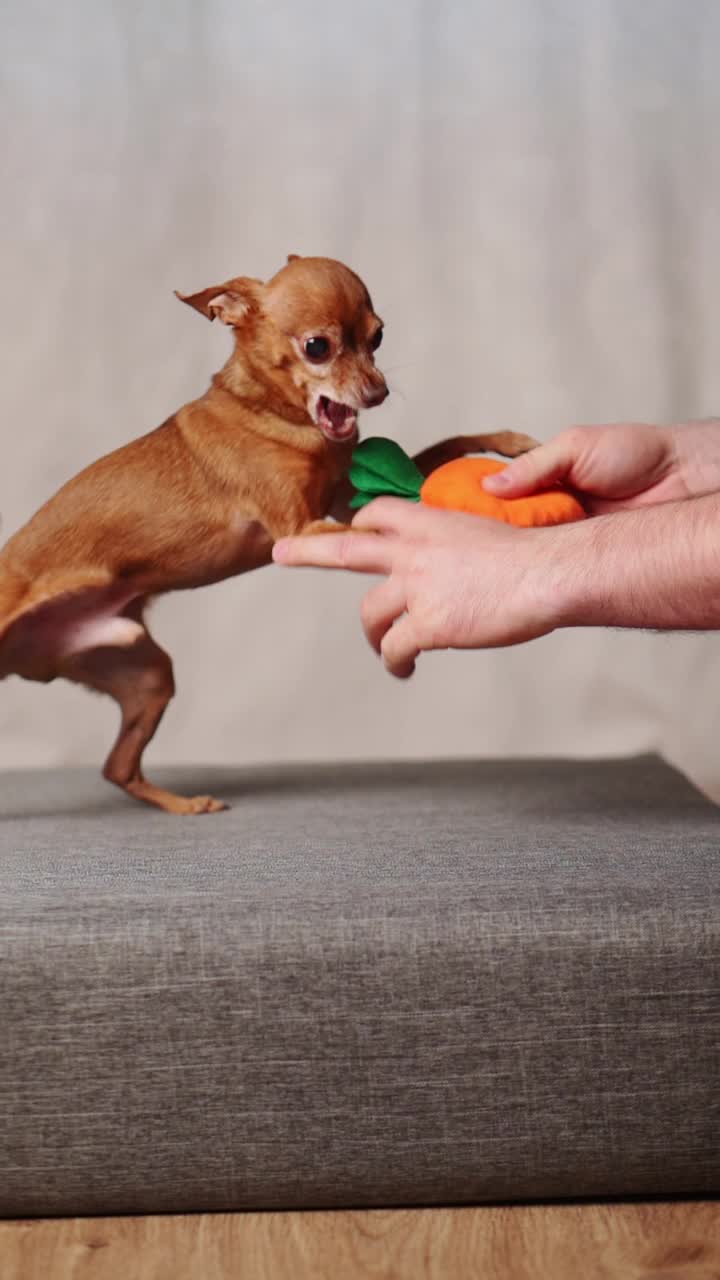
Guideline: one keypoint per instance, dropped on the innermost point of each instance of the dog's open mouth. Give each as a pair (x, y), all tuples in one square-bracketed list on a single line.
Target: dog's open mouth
[(336, 421)]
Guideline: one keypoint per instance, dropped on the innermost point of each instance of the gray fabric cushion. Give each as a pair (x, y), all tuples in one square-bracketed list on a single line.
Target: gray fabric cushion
[(381, 984)]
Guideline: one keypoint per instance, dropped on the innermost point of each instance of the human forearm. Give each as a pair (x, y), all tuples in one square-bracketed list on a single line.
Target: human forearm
[(656, 567)]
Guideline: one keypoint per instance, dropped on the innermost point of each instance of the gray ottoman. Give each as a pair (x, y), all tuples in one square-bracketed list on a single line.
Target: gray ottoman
[(364, 985)]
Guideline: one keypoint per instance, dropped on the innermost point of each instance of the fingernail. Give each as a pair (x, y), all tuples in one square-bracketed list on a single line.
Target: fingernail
[(498, 481), (280, 551)]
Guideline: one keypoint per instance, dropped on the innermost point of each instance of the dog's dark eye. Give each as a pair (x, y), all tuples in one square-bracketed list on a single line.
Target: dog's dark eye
[(376, 340), (317, 349)]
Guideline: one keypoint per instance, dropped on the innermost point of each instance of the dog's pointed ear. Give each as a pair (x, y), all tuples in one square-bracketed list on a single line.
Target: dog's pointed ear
[(293, 257), (232, 301)]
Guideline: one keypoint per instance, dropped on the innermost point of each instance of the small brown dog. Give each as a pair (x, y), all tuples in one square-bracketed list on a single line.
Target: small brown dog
[(263, 454)]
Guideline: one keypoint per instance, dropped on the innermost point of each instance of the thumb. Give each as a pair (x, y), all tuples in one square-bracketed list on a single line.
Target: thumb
[(533, 471)]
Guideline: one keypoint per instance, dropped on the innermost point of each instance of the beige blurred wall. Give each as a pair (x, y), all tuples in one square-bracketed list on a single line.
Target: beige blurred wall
[(531, 191)]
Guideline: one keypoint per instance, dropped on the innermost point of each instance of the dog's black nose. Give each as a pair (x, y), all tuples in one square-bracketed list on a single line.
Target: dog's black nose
[(375, 396)]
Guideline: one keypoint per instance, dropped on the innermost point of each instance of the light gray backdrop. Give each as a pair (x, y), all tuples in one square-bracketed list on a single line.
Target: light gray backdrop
[(530, 189)]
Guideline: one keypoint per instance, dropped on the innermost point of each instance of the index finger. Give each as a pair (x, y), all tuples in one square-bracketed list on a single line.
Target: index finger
[(359, 552), (388, 515)]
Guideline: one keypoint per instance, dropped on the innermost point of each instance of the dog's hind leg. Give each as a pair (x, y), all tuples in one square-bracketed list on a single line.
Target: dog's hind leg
[(139, 677)]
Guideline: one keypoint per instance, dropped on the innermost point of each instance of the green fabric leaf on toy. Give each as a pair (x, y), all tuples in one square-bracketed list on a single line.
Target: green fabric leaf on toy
[(380, 467)]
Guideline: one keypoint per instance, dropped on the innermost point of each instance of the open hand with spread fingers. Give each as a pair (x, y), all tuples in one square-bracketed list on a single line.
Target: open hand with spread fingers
[(452, 581)]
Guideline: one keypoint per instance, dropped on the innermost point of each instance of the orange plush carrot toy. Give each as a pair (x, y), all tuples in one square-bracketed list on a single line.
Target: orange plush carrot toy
[(381, 467)]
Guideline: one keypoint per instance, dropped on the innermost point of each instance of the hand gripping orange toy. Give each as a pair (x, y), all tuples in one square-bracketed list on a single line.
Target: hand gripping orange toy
[(380, 467)]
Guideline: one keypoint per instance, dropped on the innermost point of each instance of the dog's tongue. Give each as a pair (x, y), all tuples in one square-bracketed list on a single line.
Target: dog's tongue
[(337, 413)]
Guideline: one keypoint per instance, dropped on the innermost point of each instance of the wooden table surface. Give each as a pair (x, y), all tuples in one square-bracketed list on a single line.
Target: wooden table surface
[(675, 1241)]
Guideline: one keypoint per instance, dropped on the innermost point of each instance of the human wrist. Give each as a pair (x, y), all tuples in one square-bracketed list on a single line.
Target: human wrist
[(559, 581), (655, 568), (581, 575), (696, 455)]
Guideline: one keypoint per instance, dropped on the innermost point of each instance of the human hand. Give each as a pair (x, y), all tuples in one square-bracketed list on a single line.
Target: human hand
[(453, 581), (610, 467)]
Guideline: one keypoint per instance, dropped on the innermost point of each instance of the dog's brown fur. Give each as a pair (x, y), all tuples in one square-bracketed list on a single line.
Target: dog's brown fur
[(198, 500)]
